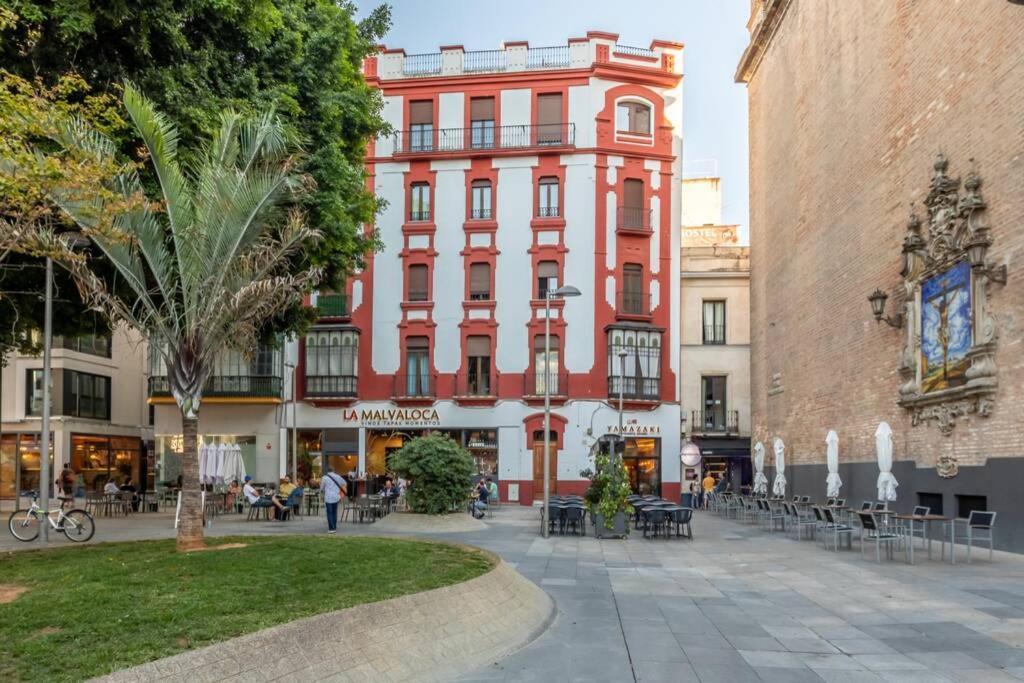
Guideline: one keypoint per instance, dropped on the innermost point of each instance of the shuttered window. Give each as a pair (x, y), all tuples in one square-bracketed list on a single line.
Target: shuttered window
[(549, 119), (481, 109), (481, 122), (480, 281), (421, 126), (547, 278), (418, 283), (478, 356), (421, 112), (633, 213)]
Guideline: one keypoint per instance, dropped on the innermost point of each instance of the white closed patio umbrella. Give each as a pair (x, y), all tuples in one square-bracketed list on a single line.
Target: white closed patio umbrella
[(760, 481), (204, 452), (832, 481), (779, 486), (883, 446)]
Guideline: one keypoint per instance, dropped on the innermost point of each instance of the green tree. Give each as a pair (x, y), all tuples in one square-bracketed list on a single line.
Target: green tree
[(204, 265), (196, 58), (438, 470)]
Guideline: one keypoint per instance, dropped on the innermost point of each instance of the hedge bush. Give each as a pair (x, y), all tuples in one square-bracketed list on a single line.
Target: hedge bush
[(438, 470)]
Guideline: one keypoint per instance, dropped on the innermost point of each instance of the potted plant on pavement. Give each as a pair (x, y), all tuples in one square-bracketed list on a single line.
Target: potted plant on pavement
[(609, 488)]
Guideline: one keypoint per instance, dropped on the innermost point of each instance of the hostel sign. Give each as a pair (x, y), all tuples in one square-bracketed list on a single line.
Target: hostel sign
[(391, 417)]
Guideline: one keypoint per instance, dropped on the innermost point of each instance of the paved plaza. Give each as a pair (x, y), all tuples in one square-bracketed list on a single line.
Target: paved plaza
[(735, 604)]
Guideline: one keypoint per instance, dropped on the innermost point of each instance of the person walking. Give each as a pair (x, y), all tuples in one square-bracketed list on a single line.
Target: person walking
[(334, 490), (709, 487)]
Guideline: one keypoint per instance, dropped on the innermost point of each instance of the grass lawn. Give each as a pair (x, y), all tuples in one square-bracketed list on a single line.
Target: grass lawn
[(94, 609)]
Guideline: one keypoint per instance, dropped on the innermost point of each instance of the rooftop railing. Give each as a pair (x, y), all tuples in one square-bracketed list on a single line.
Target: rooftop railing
[(635, 51)]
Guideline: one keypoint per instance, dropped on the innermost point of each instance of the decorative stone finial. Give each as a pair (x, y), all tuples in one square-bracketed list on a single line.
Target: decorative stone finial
[(941, 164)]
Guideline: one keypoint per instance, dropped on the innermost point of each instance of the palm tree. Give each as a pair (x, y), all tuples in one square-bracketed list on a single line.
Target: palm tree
[(202, 268)]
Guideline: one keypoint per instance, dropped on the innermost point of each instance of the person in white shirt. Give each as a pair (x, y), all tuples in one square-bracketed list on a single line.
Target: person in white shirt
[(111, 487), (255, 499), (334, 489)]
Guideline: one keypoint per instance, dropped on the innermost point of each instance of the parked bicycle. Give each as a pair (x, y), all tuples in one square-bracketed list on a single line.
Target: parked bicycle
[(77, 525)]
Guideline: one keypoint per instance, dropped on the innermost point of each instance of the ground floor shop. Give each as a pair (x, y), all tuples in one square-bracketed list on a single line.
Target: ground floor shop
[(506, 442), (728, 459)]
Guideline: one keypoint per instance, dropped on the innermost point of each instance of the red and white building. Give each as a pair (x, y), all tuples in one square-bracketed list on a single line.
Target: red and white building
[(509, 173)]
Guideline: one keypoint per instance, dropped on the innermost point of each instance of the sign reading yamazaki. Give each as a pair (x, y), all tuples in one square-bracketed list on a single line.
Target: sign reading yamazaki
[(391, 417), (635, 430)]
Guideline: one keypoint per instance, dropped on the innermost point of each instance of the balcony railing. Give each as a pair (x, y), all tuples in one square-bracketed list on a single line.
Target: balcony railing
[(419, 216), (428, 64), (633, 303), (331, 386), (549, 212), (481, 214), (635, 51), (635, 388), (554, 57), (475, 385), (478, 61), (236, 386), (475, 139), (714, 334), (332, 306), (415, 386), (633, 219), (558, 383), (715, 421)]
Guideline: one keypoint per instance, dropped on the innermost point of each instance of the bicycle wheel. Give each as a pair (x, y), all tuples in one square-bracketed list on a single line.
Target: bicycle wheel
[(78, 526), (24, 525)]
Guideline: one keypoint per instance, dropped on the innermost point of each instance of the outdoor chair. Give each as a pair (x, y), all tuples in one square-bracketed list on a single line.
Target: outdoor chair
[(776, 517), (365, 509), (292, 504), (575, 519), (762, 512), (978, 526), (840, 502), (870, 531), (805, 499), (836, 530), (93, 502), (819, 521), (830, 502), (348, 507), (803, 519), (254, 509), (866, 506), (657, 520), (680, 519), (314, 500), (556, 517), (881, 506), (796, 499)]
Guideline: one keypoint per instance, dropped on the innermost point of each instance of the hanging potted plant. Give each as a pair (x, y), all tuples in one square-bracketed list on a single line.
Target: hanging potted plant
[(609, 488)]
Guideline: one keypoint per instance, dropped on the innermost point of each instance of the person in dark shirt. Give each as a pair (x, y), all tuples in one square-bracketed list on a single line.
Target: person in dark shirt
[(480, 506)]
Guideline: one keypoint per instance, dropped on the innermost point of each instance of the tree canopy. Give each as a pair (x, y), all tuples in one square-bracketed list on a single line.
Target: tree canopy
[(195, 58)]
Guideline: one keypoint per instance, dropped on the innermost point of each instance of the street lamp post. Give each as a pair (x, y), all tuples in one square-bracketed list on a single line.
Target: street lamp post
[(295, 469), (562, 292), (44, 436)]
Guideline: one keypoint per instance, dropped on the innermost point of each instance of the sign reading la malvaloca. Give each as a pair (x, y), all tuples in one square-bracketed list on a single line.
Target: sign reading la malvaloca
[(391, 417), (634, 429)]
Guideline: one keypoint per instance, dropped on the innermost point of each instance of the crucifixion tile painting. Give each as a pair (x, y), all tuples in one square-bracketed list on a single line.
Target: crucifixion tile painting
[(946, 328)]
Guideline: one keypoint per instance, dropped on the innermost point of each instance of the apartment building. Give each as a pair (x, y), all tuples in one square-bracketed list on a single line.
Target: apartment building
[(715, 335), (100, 421)]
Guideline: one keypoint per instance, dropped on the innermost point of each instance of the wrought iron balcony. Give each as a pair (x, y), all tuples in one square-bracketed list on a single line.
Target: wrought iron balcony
[(332, 306), (331, 386), (233, 386), (549, 212), (631, 303), (415, 386), (635, 388), (558, 383), (475, 385), (419, 216), (633, 219), (481, 214), (714, 334), (449, 140), (715, 421)]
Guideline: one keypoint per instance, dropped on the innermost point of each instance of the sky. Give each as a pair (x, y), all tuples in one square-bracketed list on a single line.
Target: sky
[(713, 31)]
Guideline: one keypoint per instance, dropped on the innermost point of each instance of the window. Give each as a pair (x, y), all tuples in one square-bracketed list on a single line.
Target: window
[(549, 119), (481, 191), (481, 122), (545, 366), (75, 394), (932, 501), (480, 282), (633, 215), (547, 198), (34, 392), (965, 505), (547, 278), (713, 391), (478, 351), (417, 365), (418, 290), (714, 322), (419, 202), (638, 371), (633, 117), (633, 300), (421, 126), (332, 362), (93, 344)]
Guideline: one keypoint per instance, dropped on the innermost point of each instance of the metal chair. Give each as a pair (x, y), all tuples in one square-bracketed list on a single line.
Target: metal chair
[(837, 530), (979, 525), (681, 518), (575, 519), (871, 531), (656, 521)]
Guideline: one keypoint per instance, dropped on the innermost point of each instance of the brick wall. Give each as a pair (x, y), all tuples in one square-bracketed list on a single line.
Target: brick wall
[(848, 108)]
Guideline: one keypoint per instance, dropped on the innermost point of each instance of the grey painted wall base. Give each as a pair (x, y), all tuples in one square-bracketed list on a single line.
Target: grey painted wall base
[(1000, 480)]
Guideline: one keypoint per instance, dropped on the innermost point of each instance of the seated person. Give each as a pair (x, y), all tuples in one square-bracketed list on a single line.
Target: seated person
[(492, 490), (232, 493), (261, 501), (285, 488), (389, 490), (480, 506), (130, 487), (111, 487)]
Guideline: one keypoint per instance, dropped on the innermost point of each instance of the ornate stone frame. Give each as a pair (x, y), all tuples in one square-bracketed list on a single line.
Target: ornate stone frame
[(954, 227)]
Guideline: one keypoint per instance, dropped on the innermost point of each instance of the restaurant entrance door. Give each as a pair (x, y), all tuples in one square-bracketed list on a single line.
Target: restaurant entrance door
[(538, 469)]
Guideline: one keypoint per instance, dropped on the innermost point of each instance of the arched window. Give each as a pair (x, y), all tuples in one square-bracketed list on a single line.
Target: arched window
[(633, 117)]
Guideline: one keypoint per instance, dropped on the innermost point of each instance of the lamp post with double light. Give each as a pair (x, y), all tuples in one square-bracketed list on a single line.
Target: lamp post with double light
[(563, 292)]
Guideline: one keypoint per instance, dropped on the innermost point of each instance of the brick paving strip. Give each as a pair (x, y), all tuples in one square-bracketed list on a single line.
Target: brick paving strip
[(431, 636)]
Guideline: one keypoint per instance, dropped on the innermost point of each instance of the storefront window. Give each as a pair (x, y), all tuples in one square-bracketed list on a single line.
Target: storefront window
[(29, 461), (98, 459), (482, 444), (642, 458), (169, 454), (8, 465)]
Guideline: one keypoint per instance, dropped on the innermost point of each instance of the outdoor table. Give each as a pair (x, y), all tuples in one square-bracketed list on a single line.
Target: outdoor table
[(926, 521)]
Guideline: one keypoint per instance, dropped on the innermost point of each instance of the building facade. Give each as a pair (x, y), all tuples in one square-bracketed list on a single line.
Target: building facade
[(99, 418), (714, 332), (511, 173), (885, 162)]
